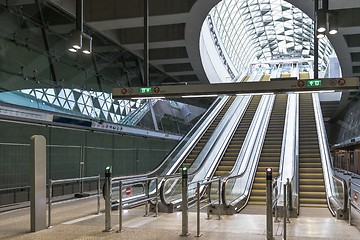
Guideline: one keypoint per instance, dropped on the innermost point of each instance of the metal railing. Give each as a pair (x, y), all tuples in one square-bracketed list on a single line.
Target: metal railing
[(63, 181), (351, 205), (207, 183), (117, 193), (336, 189)]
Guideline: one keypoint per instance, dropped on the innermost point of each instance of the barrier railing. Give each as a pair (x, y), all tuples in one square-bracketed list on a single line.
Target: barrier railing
[(118, 186), (198, 201), (71, 180)]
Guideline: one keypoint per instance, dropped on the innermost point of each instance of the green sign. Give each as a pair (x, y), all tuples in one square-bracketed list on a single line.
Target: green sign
[(146, 90), (313, 83)]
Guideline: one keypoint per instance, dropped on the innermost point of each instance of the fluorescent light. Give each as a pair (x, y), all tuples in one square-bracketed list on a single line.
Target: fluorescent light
[(72, 50), (199, 96), (254, 94), (139, 98), (320, 91)]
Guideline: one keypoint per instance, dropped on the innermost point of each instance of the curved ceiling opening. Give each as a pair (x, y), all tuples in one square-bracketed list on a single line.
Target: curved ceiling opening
[(263, 30)]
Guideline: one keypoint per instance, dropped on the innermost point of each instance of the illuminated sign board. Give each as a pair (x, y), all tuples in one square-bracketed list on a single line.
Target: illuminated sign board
[(145, 90), (313, 83)]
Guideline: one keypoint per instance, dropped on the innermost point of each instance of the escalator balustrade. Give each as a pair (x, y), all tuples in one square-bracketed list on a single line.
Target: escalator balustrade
[(271, 151), (312, 187)]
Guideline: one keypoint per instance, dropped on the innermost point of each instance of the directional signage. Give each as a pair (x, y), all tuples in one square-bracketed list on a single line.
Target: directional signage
[(314, 83), (284, 86)]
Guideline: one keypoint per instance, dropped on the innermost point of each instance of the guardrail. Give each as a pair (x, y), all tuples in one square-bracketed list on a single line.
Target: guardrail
[(198, 197), (117, 187), (350, 200), (70, 180)]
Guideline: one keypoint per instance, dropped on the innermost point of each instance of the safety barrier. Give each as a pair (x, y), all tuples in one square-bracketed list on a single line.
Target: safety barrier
[(71, 180)]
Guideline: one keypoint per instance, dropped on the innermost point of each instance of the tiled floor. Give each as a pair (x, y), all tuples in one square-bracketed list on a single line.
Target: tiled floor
[(79, 221)]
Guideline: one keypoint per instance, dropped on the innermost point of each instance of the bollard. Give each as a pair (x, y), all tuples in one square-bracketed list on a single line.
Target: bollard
[(120, 206), (185, 204), (98, 198), (147, 196), (219, 195), (349, 201), (49, 203), (107, 190), (269, 222), (198, 234), (156, 197), (285, 211)]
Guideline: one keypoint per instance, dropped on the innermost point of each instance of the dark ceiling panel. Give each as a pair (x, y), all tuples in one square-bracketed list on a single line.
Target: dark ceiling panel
[(352, 40)]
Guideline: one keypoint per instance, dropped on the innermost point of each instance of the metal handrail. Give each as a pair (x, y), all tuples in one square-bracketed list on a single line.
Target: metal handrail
[(325, 158), (205, 157), (196, 126), (231, 177), (53, 182)]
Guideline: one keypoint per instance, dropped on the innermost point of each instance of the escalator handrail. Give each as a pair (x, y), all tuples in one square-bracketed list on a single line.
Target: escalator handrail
[(230, 113), (153, 172), (240, 175), (290, 136), (326, 160)]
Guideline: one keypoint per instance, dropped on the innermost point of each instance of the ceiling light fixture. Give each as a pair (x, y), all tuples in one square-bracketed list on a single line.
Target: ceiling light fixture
[(333, 26), (79, 39)]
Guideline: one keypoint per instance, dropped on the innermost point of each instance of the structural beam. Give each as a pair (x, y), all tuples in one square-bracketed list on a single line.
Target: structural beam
[(283, 86)]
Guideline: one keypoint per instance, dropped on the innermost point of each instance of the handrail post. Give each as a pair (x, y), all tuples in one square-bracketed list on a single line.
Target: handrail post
[(208, 217), (49, 203), (156, 197), (269, 222), (198, 234), (147, 196), (185, 204), (349, 202), (289, 200), (120, 206), (285, 211), (98, 197), (219, 193), (108, 199)]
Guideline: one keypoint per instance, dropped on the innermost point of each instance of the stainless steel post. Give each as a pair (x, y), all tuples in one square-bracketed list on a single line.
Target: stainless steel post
[(185, 204), (198, 234), (219, 195), (98, 197), (349, 201), (289, 200), (108, 227), (285, 211), (120, 206), (49, 203), (156, 197), (147, 196), (208, 217), (269, 218)]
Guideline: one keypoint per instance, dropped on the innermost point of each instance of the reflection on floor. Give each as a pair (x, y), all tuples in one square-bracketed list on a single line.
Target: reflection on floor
[(77, 220)]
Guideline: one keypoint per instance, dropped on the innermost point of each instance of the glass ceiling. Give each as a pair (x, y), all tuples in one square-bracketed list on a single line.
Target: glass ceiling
[(253, 30)]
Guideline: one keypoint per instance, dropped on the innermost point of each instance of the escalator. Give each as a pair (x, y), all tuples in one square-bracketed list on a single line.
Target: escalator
[(230, 156), (312, 187), (271, 151), (204, 139)]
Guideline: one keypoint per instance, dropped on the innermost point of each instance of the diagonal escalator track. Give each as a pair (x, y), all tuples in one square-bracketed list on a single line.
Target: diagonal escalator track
[(271, 151), (228, 160), (312, 188), (204, 139)]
